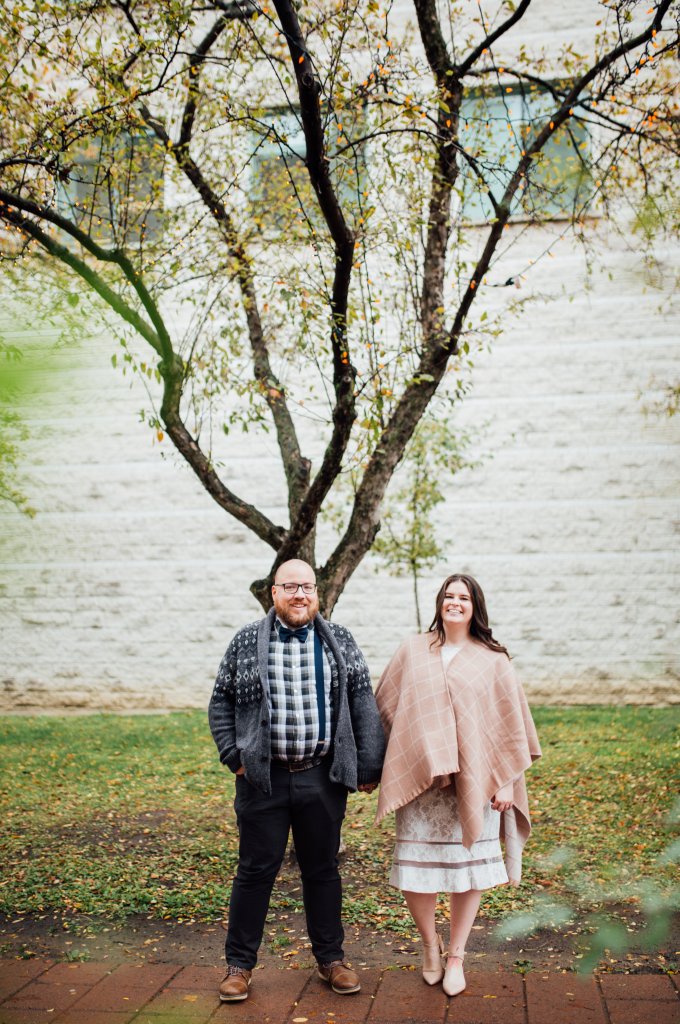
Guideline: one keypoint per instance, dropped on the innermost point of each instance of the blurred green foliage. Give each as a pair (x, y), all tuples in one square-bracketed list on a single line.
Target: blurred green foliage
[(33, 347)]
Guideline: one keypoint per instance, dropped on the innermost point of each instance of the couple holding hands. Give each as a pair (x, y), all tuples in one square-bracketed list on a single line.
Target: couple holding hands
[(448, 736)]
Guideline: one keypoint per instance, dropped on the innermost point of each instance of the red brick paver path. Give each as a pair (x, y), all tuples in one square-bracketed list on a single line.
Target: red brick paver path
[(38, 991)]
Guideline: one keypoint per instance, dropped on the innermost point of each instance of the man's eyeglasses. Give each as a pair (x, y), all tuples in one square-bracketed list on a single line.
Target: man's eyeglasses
[(292, 588)]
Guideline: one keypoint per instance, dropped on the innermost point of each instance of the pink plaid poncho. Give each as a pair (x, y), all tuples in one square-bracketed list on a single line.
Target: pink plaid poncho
[(469, 726)]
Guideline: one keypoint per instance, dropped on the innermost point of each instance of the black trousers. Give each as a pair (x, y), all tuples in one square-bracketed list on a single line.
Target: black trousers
[(313, 807)]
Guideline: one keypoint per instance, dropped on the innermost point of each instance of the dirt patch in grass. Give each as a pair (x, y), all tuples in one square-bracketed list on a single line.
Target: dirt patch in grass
[(139, 832)]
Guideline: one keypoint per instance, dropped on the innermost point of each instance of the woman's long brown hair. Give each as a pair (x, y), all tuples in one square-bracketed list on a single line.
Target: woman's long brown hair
[(479, 624)]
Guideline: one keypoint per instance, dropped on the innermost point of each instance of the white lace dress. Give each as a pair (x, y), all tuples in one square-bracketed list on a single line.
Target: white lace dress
[(429, 855)]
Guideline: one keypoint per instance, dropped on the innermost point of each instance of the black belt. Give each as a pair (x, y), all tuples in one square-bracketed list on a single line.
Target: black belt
[(299, 766)]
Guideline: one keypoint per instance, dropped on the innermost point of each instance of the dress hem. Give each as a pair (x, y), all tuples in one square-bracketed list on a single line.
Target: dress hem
[(446, 882)]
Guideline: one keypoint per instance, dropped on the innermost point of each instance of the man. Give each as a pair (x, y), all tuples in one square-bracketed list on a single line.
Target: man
[(294, 716)]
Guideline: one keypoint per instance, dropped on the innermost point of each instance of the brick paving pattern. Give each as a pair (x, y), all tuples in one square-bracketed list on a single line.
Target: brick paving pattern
[(38, 991)]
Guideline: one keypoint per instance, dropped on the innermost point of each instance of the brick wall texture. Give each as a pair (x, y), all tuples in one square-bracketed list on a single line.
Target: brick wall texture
[(124, 590)]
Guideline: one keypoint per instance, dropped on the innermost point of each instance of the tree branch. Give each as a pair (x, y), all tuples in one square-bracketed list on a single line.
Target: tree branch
[(124, 6), (296, 467), (444, 174), (364, 521), (171, 369), (230, 12), (344, 374), (436, 51), (554, 122), (240, 11), (316, 160), (115, 256), (462, 69), (10, 212), (188, 447)]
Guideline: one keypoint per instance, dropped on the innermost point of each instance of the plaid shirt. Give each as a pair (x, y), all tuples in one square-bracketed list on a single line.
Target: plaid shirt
[(292, 695)]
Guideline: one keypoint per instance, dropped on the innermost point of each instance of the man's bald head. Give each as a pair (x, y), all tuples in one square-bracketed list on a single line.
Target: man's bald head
[(297, 609), (295, 570)]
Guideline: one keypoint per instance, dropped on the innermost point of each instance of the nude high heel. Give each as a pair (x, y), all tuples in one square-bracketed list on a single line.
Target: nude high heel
[(433, 971), (454, 979)]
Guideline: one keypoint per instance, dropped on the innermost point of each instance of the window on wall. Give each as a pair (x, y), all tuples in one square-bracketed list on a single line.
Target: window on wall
[(281, 196), (112, 187), (494, 130)]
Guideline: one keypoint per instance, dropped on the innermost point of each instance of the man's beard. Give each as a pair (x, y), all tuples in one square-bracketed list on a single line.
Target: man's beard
[(296, 617)]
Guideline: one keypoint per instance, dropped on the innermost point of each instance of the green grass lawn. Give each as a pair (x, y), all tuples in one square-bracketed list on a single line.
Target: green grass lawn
[(115, 815)]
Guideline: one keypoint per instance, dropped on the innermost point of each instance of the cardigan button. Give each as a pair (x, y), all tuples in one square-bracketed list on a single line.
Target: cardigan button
[(263, 722), (264, 758)]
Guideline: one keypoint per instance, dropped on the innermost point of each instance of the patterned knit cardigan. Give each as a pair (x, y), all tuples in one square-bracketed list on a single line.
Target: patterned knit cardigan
[(239, 708)]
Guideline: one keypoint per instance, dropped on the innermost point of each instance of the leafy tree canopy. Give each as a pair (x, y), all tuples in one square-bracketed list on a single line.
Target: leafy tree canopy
[(287, 211)]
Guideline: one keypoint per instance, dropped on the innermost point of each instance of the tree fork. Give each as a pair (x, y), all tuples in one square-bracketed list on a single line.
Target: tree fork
[(172, 373)]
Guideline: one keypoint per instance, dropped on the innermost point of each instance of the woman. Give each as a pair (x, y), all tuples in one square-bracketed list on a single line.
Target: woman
[(460, 736)]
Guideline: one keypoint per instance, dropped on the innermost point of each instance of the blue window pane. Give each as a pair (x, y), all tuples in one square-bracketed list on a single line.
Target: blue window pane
[(495, 128), (281, 196), (113, 187)]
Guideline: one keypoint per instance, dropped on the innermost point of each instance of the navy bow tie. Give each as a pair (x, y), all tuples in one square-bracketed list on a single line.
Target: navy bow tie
[(286, 634)]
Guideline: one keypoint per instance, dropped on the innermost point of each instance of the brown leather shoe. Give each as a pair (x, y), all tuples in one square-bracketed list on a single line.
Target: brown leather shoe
[(234, 987), (340, 976)]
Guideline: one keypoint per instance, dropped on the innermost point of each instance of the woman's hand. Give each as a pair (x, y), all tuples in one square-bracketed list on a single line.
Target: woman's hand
[(502, 801), (241, 770)]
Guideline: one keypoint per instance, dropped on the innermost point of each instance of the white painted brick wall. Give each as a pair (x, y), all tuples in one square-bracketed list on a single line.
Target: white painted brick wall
[(126, 588)]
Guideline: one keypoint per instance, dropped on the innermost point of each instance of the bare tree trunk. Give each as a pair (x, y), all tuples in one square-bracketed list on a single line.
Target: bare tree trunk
[(414, 572)]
